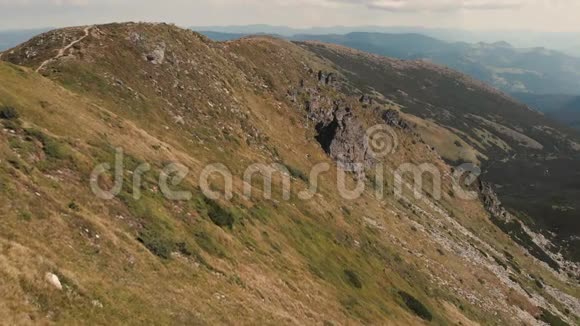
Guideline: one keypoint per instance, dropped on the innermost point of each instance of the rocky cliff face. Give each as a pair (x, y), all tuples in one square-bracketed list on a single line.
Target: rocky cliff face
[(344, 139), (340, 133), (492, 203)]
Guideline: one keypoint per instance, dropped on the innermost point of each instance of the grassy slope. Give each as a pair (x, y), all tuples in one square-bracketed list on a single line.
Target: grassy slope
[(282, 262)]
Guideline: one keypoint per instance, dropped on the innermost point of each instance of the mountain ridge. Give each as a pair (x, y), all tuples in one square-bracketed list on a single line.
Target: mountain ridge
[(164, 94), (531, 70)]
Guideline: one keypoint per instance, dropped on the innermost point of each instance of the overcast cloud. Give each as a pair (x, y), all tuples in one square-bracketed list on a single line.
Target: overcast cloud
[(539, 15), (436, 5)]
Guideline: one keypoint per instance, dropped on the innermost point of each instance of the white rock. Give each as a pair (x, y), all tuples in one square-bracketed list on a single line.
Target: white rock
[(157, 56), (97, 303), (53, 280)]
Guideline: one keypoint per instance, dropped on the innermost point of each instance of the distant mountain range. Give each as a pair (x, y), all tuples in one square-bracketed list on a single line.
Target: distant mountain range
[(11, 38), (513, 70), (546, 80), (564, 42)]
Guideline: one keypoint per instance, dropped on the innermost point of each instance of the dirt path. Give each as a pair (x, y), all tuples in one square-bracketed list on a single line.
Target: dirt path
[(62, 51)]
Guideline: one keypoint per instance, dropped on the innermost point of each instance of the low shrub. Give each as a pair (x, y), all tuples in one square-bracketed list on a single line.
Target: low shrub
[(157, 241), (218, 215), (74, 206), (8, 113), (353, 278), (416, 306)]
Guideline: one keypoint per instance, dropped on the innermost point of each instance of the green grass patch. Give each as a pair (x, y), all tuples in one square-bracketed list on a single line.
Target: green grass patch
[(51, 147), (260, 213), (158, 240), (209, 245), (25, 216), (158, 233)]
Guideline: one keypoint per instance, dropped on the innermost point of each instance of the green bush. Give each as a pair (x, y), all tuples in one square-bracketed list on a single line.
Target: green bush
[(353, 278), (416, 306), (218, 215), (74, 206), (8, 113), (157, 241), (55, 150)]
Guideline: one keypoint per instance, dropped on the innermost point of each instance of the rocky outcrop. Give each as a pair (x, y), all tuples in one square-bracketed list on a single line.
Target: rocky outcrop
[(492, 203), (343, 138), (393, 118), (157, 56), (340, 134), (366, 100), (325, 78)]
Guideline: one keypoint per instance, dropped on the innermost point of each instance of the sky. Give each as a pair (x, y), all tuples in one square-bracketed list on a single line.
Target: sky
[(536, 15)]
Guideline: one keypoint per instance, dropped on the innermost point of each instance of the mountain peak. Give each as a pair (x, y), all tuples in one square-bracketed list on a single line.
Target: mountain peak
[(64, 43)]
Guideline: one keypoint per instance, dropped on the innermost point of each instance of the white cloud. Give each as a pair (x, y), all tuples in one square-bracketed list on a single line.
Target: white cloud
[(50, 3), (553, 15), (436, 5)]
